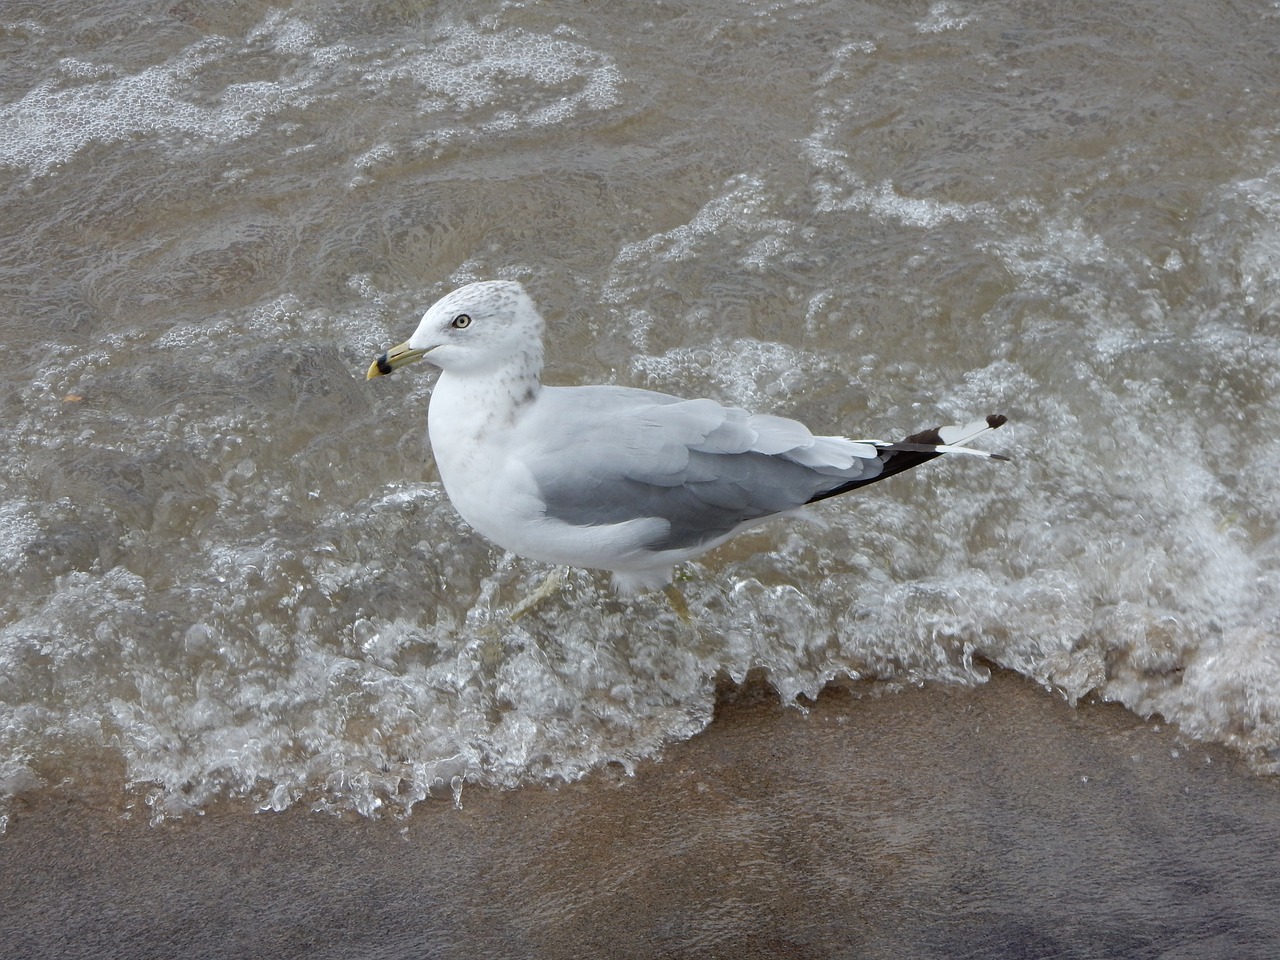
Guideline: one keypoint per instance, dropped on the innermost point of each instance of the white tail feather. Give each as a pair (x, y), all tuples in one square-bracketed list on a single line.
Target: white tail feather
[(956, 436), (942, 448), (953, 438)]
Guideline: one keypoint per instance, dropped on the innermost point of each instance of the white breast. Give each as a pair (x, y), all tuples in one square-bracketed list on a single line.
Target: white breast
[(470, 421)]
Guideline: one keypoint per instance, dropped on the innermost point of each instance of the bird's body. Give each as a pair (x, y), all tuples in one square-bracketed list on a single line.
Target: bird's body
[(615, 478)]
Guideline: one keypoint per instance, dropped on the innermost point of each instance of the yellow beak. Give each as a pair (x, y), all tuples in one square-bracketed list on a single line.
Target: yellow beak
[(395, 358)]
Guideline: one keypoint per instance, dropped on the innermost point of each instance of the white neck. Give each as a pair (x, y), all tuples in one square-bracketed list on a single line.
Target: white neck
[(478, 408)]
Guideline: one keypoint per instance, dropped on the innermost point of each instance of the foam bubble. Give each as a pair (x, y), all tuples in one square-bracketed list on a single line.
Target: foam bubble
[(737, 222), (59, 118), (740, 212), (18, 531), (470, 71), (943, 16), (751, 374)]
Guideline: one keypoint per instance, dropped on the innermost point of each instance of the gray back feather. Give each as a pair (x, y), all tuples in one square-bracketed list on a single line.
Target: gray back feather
[(617, 454)]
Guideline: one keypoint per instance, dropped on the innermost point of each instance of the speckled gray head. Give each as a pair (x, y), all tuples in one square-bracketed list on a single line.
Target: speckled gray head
[(476, 328)]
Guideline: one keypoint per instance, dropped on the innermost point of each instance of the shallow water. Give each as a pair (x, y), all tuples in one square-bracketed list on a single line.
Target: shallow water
[(231, 565)]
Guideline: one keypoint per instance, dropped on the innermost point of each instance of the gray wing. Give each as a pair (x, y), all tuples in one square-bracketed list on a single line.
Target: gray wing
[(603, 455)]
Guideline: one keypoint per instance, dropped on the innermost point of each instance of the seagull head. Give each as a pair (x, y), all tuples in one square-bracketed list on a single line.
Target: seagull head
[(480, 328)]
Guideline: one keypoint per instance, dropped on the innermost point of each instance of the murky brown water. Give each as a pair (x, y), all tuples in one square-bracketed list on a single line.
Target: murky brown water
[(231, 570)]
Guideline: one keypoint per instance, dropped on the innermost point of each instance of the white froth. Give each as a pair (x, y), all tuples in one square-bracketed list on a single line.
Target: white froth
[(470, 70), (740, 213), (60, 117), (943, 16), (286, 34), (751, 374), (18, 531), (736, 221), (885, 201)]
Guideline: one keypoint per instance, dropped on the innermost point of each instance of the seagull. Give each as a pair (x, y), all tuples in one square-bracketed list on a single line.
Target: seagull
[(617, 478)]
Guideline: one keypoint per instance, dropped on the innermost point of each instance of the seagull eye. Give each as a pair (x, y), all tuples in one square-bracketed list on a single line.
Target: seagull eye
[(461, 322)]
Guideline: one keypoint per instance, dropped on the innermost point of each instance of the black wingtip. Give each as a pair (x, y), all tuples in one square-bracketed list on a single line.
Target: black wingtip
[(996, 420)]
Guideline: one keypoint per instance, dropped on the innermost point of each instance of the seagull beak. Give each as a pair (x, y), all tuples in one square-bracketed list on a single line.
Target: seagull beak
[(394, 359)]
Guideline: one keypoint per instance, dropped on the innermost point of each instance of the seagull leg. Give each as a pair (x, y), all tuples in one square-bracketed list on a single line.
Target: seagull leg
[(549, 586), (677, 601)]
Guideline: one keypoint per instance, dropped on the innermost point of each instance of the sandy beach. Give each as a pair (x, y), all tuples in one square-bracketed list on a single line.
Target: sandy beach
[(942, 821)]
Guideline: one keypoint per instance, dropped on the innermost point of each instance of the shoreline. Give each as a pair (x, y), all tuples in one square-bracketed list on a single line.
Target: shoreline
[(940, 821)]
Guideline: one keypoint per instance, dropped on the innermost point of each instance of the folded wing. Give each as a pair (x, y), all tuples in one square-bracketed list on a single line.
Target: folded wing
[(703, 468)]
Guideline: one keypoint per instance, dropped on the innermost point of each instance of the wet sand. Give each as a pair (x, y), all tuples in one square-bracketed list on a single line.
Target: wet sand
[(934, 822)]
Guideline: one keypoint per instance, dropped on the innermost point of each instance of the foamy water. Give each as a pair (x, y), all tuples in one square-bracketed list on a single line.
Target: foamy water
[(231, 565)]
